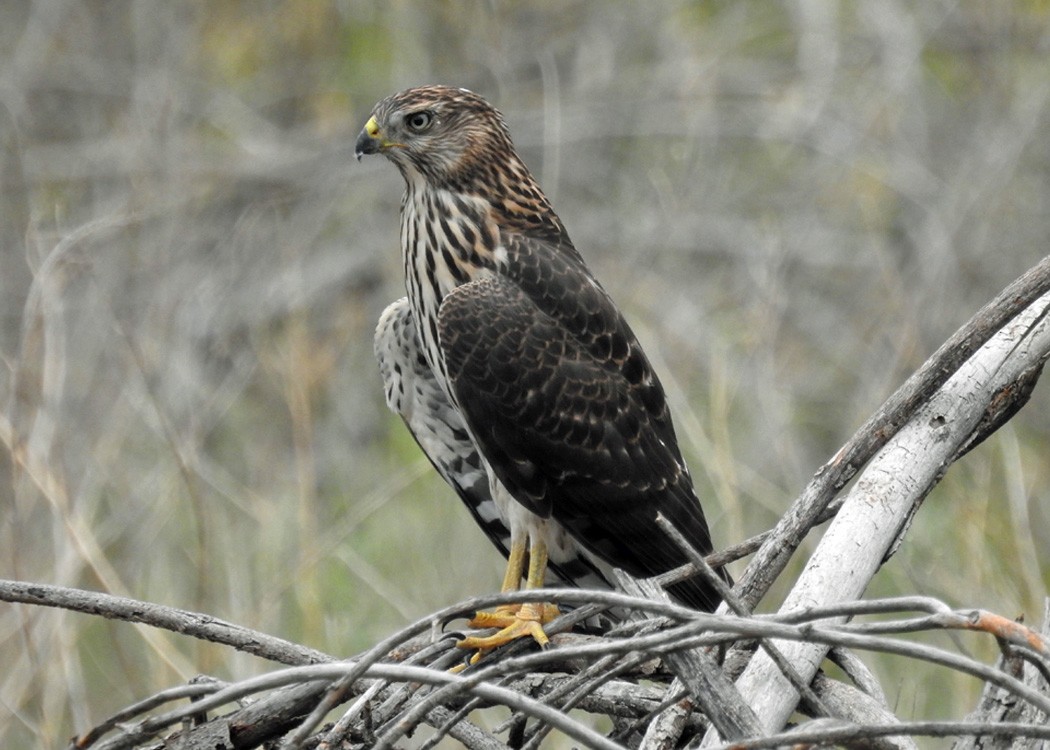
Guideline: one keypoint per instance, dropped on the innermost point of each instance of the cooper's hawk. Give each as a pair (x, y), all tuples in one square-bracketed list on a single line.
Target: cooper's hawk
[(514, 369)]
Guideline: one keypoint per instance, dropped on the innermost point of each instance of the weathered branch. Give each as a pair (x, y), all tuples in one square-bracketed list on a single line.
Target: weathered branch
[(844, 733), (771, 559), (530, 688), (887, 493), (974, 384), (195, 624), (998, 706)]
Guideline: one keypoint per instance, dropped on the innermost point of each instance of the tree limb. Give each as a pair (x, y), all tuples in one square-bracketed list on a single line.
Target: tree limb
[(195, 624), (884, 496), (771, 559)]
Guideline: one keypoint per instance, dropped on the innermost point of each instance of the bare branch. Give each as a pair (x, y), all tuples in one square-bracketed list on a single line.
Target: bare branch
[(777, 549), (845, 702), (706, 682), (663, 732), (845, 733), (195, 624), (885, 496), (383, 691)]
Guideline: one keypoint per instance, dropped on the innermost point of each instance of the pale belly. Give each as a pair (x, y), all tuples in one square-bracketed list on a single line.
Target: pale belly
[(525, 526)]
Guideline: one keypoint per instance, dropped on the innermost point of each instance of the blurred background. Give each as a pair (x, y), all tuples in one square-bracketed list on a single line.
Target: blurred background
[(795, 203)]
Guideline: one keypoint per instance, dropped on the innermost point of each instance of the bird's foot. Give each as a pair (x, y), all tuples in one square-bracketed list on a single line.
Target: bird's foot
[(514, 621)]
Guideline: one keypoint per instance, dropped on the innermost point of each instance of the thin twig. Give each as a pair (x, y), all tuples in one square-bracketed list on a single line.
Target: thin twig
[(742, 610)]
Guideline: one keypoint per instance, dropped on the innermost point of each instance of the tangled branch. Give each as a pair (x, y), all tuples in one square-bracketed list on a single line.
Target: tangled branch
[(392, 693), (666, 675)]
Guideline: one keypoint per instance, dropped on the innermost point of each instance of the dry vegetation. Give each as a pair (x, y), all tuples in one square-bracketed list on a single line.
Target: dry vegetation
[(795, 203)]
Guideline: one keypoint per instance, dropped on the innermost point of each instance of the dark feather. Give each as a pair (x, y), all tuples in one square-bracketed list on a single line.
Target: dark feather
[(574, 432), (558, 397), (438, 428)]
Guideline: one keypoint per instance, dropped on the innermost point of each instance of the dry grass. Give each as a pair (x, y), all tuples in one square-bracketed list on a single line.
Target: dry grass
[(795, 203)]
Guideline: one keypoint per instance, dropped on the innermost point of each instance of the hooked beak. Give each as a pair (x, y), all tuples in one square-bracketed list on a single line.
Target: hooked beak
[(371, 141)]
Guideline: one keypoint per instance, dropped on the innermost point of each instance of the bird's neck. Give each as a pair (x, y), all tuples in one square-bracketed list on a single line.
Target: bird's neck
[(447, 239), (517, 204), (454, 234)]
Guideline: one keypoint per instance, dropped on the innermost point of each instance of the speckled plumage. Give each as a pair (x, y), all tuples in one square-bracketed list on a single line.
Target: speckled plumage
[(509, 350)]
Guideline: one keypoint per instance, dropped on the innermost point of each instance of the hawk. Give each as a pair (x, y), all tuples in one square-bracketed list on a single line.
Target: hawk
[(516, 372)]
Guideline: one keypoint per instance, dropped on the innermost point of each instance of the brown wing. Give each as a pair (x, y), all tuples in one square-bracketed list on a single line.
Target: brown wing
[(413, 392), (568, 413)]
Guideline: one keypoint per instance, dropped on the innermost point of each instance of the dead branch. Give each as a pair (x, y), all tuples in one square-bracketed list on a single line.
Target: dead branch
[(657, 674), (770, 560), (204, 627), (886, 495), (394, 698)]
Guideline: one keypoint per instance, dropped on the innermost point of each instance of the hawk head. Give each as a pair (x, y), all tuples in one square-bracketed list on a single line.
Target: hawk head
[(439, 133)]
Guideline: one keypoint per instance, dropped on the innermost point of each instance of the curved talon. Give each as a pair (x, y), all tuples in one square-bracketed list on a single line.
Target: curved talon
[(464, 614), (507, 615), (513, 623), (468, 661)]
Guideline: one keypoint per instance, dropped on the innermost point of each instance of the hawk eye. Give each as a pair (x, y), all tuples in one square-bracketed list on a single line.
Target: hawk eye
[(419, 121)]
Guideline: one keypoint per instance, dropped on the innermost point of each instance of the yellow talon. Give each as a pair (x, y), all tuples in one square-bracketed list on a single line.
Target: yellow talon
[(505, 617), (529, 619), (514, 620)]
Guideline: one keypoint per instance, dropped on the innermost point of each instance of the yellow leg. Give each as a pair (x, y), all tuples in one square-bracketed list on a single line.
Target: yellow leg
[(516, 621), (537, 566), (515, 567), (511, 581)]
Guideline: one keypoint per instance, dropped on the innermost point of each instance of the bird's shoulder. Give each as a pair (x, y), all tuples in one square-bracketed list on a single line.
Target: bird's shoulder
[(554, 278), (541, 358), (542, 282)]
